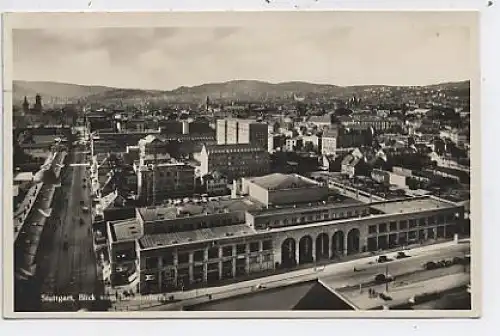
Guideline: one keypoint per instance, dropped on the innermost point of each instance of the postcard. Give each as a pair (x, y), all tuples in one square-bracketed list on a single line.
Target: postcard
[(242, 164)]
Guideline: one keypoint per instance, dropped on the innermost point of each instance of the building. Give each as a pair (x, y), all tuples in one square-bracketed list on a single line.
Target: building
[(350, 161), (176, 249), (242, 131), (277, 188), (215, 184), (160, 177), (293, 144), (234, 161), (329, 141)]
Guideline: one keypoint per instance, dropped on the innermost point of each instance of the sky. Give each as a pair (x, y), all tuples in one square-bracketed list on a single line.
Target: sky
[(169, 57)]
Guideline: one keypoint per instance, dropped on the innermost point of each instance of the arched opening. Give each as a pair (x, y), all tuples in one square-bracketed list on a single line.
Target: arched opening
[(288, 253), (305, 250), (322, 246), (353, 241), (338, 244)]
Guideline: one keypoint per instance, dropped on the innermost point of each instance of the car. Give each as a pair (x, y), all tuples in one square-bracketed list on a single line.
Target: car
[(431, 265), (383, 259), (402, 255), (458, 261), (383, 278)]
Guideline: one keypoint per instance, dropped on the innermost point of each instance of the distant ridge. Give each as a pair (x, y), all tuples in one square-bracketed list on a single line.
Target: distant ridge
[(235, 89)]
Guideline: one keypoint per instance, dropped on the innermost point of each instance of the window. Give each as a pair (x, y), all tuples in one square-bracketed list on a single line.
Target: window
[(348, 214), (199, 255), (440, 219), (382, 227), (285, 221), (254, 247), (412, 223), (412, 235), (326, 216), (267, 245), (309, 218), (372, 229), (403, 225), (241, 249), (183, 258), (294, 220), (432, 220), (266, 257), (421, 222), (302, 219), (151, 263), (341, 215), (276, 223), (213, 253), (227, 251), (393, 226), (450, 218), (168, 259), (254, 260), (318, 216)]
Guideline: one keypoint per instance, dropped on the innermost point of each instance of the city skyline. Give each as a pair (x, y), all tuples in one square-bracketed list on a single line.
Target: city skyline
[(166, 58)]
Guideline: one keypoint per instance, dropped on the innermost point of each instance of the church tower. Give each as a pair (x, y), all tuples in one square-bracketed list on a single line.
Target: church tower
[(26, 105), (38, 104)]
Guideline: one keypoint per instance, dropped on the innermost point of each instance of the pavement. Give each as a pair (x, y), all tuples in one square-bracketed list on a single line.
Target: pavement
[(339, 274), (70, 270)]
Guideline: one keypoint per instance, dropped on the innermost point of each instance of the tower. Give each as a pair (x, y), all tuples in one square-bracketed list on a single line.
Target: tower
[(26, 105), (38, 103)]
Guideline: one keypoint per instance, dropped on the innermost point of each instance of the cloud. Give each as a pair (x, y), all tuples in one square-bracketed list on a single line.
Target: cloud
[(167, 57)]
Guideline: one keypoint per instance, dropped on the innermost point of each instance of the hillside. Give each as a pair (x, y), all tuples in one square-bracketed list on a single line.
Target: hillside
[(235, 90), (54, 91)]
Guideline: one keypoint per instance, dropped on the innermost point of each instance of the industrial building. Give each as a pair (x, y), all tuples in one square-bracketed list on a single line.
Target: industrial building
[(172, 249)]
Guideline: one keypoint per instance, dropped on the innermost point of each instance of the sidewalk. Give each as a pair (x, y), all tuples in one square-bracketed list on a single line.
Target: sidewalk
[(200, 295)]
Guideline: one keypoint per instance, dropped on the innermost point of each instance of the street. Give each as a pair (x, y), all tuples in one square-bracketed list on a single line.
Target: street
[(70, 262)]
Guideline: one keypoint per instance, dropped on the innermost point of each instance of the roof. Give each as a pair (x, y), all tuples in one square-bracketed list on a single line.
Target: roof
[(233, 148), (165, 239), (411, 205), (308, 295), (279, 181), (191, 209), (125, 230)]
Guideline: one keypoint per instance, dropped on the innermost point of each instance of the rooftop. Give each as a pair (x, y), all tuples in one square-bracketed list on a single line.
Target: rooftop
[(165, 239), (191, 208), (308, 295), (410, 205), (233, 148), (278, 181), (127, 229)]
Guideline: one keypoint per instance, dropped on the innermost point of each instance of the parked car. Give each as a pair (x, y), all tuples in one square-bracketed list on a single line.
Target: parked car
[(431, 265), (402, 255), (383, 259)]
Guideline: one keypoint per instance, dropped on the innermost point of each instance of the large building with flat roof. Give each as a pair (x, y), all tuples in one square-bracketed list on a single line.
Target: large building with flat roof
[(204, 243)]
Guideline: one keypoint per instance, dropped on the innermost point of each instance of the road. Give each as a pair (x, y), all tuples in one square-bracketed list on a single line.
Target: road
[(335, 275), (71, 270), (366, 272)]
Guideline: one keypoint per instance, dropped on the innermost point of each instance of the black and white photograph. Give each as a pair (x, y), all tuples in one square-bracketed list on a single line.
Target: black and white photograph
[(241, 163)]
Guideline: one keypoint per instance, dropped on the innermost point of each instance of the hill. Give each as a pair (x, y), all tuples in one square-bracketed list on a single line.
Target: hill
[(235, 90)]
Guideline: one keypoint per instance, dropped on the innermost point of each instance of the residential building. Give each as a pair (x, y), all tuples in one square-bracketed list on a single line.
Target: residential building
[(234, 161), (160, 177), (329, 141)]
